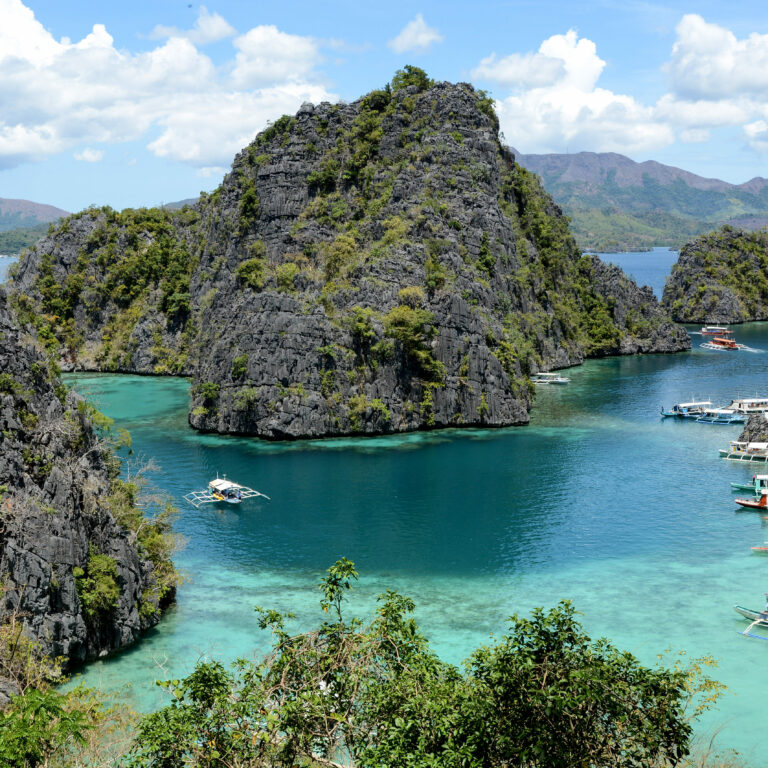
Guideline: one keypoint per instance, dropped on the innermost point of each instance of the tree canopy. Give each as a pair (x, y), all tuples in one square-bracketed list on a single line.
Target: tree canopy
[(350, 693)]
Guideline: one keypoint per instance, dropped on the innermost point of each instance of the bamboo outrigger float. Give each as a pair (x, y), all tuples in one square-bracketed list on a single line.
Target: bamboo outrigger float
[(223, 490)]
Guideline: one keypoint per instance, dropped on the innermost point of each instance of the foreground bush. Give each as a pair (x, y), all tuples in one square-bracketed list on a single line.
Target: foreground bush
[(354, 694)]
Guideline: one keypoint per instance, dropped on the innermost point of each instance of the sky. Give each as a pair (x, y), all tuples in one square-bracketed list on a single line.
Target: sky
[(147, 102)]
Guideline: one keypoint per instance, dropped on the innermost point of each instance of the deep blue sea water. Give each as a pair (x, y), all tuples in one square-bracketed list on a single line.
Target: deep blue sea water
[(599, 501)]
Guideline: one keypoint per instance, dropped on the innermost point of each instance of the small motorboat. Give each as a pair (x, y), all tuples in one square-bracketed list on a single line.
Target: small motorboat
[(761, 550), (547, 377), (756, 502), (691, 410), (758, 485)]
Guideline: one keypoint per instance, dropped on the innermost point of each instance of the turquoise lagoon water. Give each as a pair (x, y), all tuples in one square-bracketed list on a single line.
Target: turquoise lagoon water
[(5, 265), (599, 501)]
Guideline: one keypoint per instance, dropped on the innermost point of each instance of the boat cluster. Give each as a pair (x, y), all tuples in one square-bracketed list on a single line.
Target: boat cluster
[(756, 500), (704, 412), (721, 338)]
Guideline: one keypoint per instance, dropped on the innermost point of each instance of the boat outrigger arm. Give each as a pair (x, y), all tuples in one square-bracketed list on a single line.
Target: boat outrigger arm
[(222, 489)]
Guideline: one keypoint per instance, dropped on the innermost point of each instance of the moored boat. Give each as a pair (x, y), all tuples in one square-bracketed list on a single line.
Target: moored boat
[(548, 377), (721, 416), (758, 486), (756, 502), (741, 451), (749, 405), (691, 410)]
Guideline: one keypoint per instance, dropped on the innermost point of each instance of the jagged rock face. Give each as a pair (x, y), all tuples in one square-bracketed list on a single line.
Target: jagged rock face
[(53, 482), (379, 266), (755, 430), (721, 277)]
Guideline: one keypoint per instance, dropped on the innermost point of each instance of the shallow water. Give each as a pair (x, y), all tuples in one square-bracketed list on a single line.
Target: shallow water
[(599, 501)]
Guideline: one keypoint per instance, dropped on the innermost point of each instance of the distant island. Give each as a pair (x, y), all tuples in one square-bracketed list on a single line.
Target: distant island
[(616, 204)]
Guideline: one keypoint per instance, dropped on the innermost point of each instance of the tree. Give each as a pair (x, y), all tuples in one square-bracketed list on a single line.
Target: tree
[(410, 75), (355, 695)]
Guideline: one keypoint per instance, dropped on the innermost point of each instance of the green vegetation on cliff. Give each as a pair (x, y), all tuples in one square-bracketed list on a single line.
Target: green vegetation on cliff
[(386, 251), (721, 277)]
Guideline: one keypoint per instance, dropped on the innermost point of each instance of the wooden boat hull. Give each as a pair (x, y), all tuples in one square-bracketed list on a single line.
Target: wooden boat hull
[(753, 503), (750, 614), (760, 551)]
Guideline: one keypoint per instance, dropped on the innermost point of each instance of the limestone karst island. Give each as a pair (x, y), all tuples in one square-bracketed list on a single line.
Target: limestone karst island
[(433, 431)]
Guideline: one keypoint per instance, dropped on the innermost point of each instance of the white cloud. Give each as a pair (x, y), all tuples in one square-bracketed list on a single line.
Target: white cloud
[(695, 136), (710, 63), (209, 28), (415, 36), (57, 95), (757, 135), (89, 155), (530, 70), (563, 107), (209, 171), (266, 55)]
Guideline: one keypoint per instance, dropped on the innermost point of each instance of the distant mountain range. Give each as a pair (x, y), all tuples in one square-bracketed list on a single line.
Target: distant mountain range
[(23, 222), (617, 204), (17, 214)]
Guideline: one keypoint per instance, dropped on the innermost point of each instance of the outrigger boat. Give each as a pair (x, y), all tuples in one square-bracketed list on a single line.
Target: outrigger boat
[(715, 330), (740, 451), (763, 550), (758, 486), (691, 410), (721, 416), (756, 618), (547, 377), (224, 490), (721, 342), (749, 405)]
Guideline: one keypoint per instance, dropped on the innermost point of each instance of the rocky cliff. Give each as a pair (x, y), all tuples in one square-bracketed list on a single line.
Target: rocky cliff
[(73, 567), (755, 430), (721, 277), (379, 266)]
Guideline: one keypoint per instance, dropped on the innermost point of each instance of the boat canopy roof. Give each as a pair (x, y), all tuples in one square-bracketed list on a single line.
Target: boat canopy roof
[(725, 411), (221, 484), (751, 400), (693, 403), (761, 477), (548, 373), (757, 446)]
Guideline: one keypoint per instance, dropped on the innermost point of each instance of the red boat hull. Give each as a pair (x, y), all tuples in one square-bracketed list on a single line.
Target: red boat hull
[(761, 503)]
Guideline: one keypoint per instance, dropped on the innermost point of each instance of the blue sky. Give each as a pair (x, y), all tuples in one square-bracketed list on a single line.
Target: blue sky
[(139, 103)]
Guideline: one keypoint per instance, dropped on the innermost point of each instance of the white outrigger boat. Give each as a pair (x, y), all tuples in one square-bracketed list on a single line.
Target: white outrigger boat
[(224, 490), (715, 330), (691, 410), (721, 416), (547, 377), (749, 405), (740, 451), (756, 618)]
